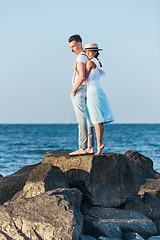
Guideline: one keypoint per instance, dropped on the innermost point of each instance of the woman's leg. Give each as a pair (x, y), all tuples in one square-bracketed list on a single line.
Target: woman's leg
[(99, 129), (102, 129)]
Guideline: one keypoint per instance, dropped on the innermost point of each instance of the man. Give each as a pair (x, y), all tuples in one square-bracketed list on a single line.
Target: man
[(78, 96)]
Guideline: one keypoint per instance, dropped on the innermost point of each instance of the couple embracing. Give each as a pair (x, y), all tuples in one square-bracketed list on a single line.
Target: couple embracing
[(89, 100)]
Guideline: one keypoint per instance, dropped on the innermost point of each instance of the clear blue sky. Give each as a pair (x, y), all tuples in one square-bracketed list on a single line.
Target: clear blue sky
[(36, 63)]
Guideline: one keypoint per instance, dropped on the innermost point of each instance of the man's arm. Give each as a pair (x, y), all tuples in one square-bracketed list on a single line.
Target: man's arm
[(81, 77)]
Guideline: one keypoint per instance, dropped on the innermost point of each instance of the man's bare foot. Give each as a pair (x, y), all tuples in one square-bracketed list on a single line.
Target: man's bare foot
[(99, 149), (90, 150), (78, 152)]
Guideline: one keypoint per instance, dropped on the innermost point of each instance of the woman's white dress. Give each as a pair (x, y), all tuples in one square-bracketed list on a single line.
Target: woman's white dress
[(98, 108)]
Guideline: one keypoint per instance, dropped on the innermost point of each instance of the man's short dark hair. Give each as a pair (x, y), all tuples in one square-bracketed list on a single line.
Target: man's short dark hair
[(76, 38)]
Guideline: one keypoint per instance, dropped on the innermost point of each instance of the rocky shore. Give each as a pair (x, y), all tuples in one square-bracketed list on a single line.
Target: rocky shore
[(106, 197)]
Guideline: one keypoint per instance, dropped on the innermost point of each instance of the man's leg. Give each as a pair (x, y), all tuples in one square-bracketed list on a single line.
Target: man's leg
[(90, 140), (79, 104), (90, 132)]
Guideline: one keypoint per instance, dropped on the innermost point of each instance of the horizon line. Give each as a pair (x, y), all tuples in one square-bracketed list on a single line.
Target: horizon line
[(68, 123)]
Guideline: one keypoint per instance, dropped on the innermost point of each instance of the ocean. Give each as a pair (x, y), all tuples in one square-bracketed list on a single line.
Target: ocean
[(26, 144)]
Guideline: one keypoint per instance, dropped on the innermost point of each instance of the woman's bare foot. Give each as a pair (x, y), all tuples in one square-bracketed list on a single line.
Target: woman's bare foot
[(90, 150), (99, 149)]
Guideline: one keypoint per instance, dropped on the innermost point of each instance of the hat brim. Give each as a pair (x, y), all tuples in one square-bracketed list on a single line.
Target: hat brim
[(94, 49)]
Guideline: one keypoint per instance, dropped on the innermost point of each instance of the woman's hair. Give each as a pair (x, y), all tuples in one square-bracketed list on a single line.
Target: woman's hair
[(96, 56)]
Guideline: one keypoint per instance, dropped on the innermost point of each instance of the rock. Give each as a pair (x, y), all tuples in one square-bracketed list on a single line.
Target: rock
[(52, 215), (103, 238), (86, 237), (154, 238), (97, 227), (132, 236), (157, 223), (138, 205), (154, 203), (1, 176), (44, 177), (12, 184), (144, 165), (151, 186), (125, 220), (105, 180), (106, 238)]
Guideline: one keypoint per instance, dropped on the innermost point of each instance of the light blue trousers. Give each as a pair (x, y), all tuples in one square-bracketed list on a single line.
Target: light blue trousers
[(86, 137)]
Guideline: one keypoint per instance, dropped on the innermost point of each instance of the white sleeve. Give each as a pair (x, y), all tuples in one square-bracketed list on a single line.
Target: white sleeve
[(82, 58)]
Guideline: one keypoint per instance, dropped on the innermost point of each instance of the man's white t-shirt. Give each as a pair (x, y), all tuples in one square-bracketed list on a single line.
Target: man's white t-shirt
[(81, 58)]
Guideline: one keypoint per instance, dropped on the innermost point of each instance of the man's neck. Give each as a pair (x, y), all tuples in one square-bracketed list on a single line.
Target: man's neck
[(81, 50)]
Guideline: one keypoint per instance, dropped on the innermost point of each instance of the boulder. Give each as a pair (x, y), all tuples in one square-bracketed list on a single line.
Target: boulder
[(86, 237), (126, 220), (154, 238), (154, 203), (98, 227), (12, 184), (105, 180), (132, 236), (151, 186), (144, 165), (44, 177), (157, 223), (138, 205), (52, 215), (106, 238), (1, 176)]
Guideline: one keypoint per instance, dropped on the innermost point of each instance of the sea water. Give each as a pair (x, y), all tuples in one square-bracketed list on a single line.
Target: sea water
[(26, 144)]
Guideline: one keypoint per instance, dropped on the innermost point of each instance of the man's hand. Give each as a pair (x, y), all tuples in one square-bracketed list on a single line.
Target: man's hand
[(81, 77), (73, 92), (75, 65)]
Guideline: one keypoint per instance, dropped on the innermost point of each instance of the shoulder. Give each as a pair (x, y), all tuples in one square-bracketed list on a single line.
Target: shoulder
[(82, 58), (90, 64), (95, 61)]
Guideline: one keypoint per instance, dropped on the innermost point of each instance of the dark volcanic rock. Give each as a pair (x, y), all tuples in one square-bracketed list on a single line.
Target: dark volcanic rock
[(106, 238), (52, 215), (157, 223), (105, 180), (143, 164), (126, 220), (154, 238), (12, 184), (132, 236), (99, 227), (138, 205), (86, 237), (151, 186), (154, 203), (44, 177)]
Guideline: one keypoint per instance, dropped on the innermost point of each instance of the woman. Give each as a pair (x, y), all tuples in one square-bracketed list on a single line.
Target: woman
[(99, 111)]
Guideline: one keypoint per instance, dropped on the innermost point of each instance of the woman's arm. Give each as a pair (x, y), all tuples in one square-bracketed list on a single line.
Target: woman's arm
[(90, 65)]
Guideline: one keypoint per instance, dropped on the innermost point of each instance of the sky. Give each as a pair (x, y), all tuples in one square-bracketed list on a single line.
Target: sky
[(36, 64)]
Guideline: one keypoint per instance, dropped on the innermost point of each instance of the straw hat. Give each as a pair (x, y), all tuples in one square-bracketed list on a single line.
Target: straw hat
[(92, 46)]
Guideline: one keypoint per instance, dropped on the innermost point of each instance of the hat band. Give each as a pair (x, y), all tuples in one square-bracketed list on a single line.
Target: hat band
[(92, 48)]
